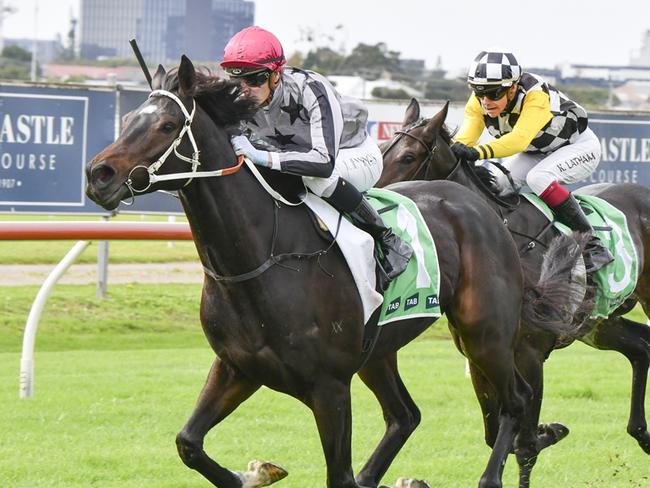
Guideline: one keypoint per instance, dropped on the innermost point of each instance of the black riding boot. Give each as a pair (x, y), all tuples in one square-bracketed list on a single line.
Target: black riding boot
[(570, 213), (396, 253)]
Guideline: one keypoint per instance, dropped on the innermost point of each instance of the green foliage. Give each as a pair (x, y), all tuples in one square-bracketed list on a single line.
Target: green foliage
[(590, 97), (323, 60), (372, 60), (17, 53), (390, 93), (443, 89), (14, 71)]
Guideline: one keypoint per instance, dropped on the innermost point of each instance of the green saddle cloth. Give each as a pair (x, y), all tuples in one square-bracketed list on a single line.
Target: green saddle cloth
[(414, 293), (616, 281)]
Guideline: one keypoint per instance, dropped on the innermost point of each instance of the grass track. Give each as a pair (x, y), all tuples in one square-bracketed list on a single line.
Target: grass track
[(116, 380)]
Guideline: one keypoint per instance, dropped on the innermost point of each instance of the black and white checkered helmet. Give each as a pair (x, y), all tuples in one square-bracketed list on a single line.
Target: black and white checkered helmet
[(494, 68)]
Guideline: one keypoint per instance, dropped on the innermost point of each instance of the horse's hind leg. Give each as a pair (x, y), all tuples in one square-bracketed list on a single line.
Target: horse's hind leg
[(225, 389), (401, 415), (490, 349), (533, 438), (633, 341)]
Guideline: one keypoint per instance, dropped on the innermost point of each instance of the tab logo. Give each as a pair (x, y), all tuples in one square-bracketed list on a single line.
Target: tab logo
[(412, 301), (393, 306), (432, 301)]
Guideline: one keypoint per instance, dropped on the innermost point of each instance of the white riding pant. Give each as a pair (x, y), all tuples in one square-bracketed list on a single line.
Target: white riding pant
[(568, 164), (361, 166)]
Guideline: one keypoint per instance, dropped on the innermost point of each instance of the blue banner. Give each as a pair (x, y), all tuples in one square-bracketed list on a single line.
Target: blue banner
[(46, 137), (625, 143)]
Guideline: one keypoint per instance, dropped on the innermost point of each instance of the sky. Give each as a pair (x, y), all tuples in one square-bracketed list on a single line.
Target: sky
[(541, 33)]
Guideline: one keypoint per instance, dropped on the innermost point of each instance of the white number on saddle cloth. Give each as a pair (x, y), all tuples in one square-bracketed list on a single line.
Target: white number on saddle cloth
[(407, 223), (627, 261)]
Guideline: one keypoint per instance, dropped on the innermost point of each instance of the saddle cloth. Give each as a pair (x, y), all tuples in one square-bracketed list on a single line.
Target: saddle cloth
[(616, 281), (412, 294)]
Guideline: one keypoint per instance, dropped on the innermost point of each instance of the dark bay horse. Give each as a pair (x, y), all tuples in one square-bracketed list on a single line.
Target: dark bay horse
[(279, 306), (420, 150)]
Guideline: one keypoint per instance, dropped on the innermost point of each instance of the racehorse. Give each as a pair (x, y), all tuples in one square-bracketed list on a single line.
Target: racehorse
[(420, 150), (279, 306)]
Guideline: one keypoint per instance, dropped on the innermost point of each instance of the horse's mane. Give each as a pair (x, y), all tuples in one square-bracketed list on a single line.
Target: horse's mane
[(221, 99)]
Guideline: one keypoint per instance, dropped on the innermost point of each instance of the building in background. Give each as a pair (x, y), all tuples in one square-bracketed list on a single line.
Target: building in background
[(106, 27), (643, 57), (165, 29)]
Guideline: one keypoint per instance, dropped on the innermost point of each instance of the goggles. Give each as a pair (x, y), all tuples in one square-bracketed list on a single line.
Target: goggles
[(496, 93), (254, 79)]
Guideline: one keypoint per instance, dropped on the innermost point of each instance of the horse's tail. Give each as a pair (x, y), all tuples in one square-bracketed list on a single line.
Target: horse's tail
[(558, 302)]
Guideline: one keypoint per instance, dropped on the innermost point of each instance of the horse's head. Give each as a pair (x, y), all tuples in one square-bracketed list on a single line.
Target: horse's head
[(161, 137), (420, 150)]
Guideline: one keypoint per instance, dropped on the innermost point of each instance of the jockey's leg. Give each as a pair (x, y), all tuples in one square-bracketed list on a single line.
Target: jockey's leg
[(569, 164)]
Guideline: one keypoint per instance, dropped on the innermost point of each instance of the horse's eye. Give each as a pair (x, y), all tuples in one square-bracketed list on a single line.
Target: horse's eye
[(408, 159), (168, 127)]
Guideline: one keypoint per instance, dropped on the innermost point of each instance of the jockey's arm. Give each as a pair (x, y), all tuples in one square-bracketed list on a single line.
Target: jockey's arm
[(325, 126), (473, 123), (535, 114)]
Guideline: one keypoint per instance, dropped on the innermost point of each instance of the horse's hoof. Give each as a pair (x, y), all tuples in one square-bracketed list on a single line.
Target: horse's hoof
[(411, 483), (549, 434), (261, 473), (644, 442)]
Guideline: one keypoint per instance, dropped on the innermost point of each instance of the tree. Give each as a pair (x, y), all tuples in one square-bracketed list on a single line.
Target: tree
[(372, 60), (442, 89), (390, 93), (17, 53), (323, 60)]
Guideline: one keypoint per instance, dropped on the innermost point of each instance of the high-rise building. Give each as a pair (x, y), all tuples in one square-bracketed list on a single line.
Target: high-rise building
[(106, 27), (165, 29)]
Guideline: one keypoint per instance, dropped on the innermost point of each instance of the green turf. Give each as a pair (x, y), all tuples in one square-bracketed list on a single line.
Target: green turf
[(116, 379)]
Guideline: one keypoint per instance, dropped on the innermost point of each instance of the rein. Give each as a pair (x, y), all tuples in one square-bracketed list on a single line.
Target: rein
[(467, 168), (153, 177)]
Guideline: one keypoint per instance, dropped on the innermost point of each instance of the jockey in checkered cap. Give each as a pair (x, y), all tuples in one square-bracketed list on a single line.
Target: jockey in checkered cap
[(304, 127), (543, 135)]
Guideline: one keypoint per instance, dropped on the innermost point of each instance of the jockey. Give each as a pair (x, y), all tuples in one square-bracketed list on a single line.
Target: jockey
[(304, 127), (544, 131)]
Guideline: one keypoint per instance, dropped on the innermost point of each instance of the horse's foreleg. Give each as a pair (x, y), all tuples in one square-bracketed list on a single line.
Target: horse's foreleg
[(401, 415), (225, 389), (633, 341), (332, 409)]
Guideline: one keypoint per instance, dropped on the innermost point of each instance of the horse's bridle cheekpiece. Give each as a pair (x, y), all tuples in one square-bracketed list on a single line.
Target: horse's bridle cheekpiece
[(397, 136)]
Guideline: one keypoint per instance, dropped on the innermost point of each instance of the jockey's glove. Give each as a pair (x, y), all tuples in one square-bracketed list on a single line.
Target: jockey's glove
[(242, 146), (465, 152)]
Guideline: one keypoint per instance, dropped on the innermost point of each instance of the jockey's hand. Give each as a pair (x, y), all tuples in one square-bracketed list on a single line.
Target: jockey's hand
[(462, 151), (242, 145)]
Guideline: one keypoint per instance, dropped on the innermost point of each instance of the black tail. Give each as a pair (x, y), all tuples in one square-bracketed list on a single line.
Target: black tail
[(559, 302)]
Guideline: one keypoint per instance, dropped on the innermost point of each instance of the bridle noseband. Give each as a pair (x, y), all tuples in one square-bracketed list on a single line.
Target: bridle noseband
[(151, 170)]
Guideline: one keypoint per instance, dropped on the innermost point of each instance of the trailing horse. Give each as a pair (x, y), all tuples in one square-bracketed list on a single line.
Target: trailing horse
[(291, 318), (420, 150)]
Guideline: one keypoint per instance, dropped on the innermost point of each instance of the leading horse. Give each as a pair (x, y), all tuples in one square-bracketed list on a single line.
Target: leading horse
[(420, 150), (279, 306)]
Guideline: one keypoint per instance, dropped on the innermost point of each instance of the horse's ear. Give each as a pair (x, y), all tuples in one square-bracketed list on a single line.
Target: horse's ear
[(412, 113), (436, 122), (186, 75), (156, 82)]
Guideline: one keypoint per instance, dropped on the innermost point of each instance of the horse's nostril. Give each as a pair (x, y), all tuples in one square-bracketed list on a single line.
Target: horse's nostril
[(102, 174)]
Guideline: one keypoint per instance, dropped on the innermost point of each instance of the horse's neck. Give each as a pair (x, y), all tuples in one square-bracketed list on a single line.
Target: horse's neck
[(231, 219)]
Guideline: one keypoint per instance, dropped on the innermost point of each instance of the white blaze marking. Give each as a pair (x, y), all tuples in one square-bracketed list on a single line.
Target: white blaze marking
[(149, 109)]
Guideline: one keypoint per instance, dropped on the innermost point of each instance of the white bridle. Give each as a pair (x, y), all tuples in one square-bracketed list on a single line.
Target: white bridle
[(194, 160)]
